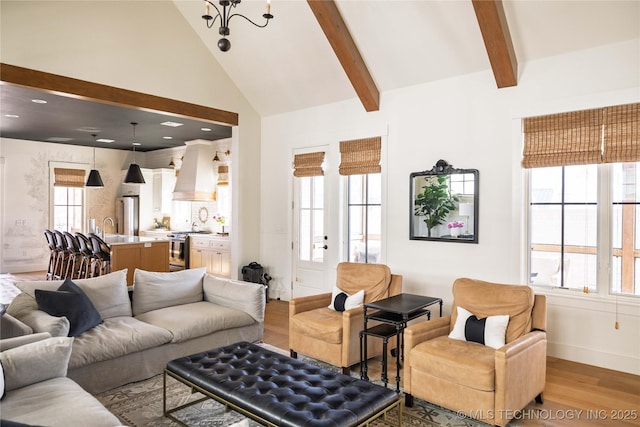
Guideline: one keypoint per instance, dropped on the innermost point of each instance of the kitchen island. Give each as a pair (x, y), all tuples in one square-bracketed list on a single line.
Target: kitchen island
[(131, 252)]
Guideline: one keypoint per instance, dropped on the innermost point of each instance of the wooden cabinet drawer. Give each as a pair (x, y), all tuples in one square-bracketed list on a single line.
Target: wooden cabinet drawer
[(220, 245)]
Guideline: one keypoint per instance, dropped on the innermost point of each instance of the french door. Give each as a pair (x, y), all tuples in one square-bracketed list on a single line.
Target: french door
[(315, 230)]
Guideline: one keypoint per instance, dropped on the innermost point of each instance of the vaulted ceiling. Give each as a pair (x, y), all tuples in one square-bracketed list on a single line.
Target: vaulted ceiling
[(317, 52), (292, 65)]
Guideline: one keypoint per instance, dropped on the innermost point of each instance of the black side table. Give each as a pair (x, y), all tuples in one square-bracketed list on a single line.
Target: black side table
[(394, 313)]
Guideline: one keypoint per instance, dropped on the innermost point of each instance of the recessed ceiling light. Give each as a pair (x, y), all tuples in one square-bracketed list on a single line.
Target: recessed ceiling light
[(89, 129), (136, 143), (105, 140), (205, 129), (39, 101), (12, 116), (59, 139), (167, 137), (172, 124)]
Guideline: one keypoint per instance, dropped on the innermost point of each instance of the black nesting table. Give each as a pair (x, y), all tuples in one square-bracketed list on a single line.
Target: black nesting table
[(394, 313)]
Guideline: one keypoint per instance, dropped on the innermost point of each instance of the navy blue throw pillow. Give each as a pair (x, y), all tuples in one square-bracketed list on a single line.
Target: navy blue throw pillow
[(474, 329), (71, 302)]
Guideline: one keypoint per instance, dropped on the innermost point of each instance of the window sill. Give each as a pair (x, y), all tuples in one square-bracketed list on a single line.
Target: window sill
[(624, 305)]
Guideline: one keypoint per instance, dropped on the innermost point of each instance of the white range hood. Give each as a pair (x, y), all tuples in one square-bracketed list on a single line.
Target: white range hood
[(197, 179)]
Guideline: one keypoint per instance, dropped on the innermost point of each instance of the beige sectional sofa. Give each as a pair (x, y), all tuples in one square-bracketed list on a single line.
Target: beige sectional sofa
[(167, 315)]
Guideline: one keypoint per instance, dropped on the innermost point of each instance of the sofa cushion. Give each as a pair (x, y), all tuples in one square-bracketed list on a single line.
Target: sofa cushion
[(71, 302), (491, 299), (116, 337), (465, 363), (56, 402), (35, 362), (197, 319), (489, 331), (227, 292), (153, 290), (373, 278), (321, 323), (108, 293)]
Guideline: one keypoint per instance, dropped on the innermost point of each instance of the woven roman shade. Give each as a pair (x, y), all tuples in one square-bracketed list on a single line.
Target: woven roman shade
[(563, 139), (223, 175), (360, 156), (68, 177), (308, 164), (622, 133)]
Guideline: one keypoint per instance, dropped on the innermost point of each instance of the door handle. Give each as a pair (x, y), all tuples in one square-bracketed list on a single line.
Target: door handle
[(325, 247)]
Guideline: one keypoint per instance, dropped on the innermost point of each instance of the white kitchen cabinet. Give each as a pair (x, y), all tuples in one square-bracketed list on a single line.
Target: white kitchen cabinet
[(164, 180), (212, 253)]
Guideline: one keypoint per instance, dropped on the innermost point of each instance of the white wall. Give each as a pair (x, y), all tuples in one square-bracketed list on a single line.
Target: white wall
[(143, 46), (469, 123)]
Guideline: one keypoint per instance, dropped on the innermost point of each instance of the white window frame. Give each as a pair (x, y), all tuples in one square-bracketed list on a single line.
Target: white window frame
[(345, 255)]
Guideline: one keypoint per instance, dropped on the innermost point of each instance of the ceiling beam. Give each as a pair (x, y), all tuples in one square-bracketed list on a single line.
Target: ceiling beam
[(497, 41), (82, 89), (331, 22)]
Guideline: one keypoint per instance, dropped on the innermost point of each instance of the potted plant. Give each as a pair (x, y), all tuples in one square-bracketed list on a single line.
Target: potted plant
[(435, 202)]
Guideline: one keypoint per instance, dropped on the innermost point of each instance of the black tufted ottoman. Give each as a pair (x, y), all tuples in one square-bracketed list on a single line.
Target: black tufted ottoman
[(277, 390)]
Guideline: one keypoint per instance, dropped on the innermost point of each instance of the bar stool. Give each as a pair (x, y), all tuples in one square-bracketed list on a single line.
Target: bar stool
[(74, 256), (86, 258), (51, 242), (102, 253), (62, 255)]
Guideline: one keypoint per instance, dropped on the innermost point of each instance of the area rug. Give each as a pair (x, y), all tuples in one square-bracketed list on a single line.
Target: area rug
[(140, 404)]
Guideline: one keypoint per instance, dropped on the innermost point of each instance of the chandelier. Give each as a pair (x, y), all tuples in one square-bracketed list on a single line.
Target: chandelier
[(225, 16)]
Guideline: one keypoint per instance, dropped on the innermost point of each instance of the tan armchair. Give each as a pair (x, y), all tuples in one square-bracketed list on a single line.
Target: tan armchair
[(333, 336), (482, 382)]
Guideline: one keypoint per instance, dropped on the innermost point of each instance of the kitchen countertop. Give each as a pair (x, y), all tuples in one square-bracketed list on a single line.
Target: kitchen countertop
[(118, 239)]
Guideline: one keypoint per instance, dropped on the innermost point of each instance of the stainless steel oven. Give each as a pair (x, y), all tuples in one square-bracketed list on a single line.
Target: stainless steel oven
[(178, 251)]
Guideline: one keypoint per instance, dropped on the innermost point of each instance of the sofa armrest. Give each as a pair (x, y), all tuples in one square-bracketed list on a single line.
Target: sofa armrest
[(11, 327), (301, 304), (245, 296), (36, 361), (424, 331), (520, 371), (9, 343)]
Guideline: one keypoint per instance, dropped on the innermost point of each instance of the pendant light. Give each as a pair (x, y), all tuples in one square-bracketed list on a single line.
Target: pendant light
[(134, 174), (94, 179)]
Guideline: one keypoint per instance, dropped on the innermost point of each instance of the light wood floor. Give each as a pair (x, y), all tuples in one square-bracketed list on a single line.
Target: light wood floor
[(575, 394)]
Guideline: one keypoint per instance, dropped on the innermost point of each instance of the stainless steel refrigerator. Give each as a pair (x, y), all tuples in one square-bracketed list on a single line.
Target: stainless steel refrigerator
[(128, 215)]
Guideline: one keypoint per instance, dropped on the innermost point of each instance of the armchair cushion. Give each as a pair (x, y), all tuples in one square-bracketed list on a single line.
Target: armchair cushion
[(489, 331), (320, 323), (467, 364), (341, 301)]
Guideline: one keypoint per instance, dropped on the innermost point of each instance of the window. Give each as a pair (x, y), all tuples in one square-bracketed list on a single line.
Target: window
[(625, 219), (67, 209), (583, 216), (563, 226), (311, 222), (360, 163), (364, 217), (67, 196)]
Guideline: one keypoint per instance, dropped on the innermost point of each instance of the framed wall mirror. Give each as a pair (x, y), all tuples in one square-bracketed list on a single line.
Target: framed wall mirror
[(444, 204)]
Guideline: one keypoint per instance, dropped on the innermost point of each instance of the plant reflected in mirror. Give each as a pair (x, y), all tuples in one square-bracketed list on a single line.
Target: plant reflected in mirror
[(444, 204)]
